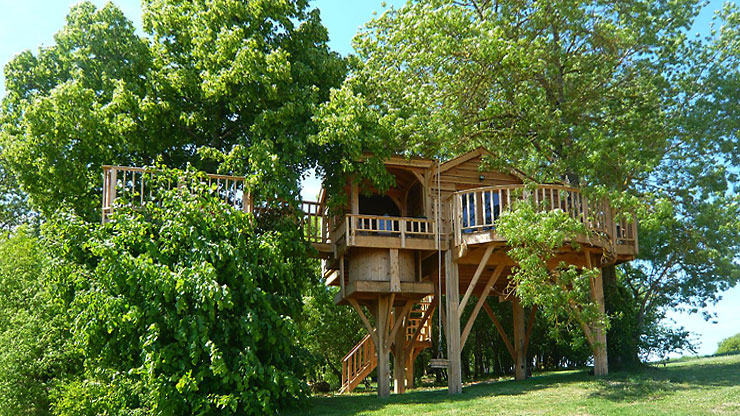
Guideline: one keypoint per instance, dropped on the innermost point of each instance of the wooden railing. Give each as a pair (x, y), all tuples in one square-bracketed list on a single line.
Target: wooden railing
[(477, 210), (132, 186), (358, 363), (384, 226), (315, 225)]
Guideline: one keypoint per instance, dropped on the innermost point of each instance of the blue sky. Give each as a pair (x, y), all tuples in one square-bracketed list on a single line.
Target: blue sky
[(28, 24)]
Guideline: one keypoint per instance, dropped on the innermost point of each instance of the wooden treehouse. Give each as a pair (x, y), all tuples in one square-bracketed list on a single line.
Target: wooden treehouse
[(434, 234)]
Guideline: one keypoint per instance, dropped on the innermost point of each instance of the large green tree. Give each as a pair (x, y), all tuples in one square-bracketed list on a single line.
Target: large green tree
[(609, 96), (211, 79)]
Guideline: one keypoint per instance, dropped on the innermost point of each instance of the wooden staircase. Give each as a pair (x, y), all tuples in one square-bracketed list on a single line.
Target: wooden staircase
[(361, 360)]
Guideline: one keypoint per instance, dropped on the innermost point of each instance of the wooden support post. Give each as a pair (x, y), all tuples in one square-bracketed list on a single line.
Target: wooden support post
[(530, 325), (395, 274), (601, 364), (454, 371), (355, 197), (341, 277), (520, 361), (399, 353), (410, 367), (383, 368)]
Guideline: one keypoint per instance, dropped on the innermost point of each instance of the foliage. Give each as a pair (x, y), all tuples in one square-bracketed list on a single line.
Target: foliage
[(551, 88), (211, 79), (240, 81), (13, 203), (729, 345), (184, 306), (34, 351), (328, 331), (534, 236), (71, 108)]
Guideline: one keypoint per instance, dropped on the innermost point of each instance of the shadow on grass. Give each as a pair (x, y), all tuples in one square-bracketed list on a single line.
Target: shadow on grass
[(360, 404), (618, 387), (652, 382)]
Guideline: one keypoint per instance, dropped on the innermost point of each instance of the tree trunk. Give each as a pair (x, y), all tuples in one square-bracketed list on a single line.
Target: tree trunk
[(622, 347)]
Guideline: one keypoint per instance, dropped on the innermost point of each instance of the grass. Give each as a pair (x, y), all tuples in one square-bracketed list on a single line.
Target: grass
[(702, 386)]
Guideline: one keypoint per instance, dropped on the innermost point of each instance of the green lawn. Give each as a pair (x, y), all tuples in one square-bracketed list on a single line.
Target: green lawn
[(703, 386)]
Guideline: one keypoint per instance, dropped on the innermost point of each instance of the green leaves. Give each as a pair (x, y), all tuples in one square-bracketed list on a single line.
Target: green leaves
[(556, 287), (193, 300)]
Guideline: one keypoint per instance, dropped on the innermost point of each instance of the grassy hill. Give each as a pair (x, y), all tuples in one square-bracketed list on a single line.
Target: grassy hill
[(702, 386)]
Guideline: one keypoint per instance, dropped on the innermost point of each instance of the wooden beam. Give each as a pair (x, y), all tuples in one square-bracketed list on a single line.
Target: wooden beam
[(520, 361), (399, 321), (355, 197), (387, 327), (601, 365), (399, 351), (341, 277), (474, 281), (530, 324), (481, 300), (395, 274), (366, 322), (500, 329), (454, 370), (383, 368)]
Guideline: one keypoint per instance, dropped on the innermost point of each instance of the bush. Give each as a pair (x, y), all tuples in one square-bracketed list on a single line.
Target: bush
[(729, 345), (33, 335), (187, 305)]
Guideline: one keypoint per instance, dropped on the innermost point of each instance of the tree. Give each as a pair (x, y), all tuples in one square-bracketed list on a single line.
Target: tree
[(72, 107), (601, 95), (729, 345), (212, 80), (177, 312), (328, 331)]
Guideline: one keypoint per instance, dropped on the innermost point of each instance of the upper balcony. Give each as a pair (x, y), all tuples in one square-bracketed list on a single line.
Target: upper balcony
[(475, 211)]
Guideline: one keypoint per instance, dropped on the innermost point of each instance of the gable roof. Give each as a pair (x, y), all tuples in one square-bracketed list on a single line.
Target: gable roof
[(478, 152)]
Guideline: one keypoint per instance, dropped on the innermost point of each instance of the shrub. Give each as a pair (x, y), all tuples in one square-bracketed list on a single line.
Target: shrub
[(190, 302), (33, 335)]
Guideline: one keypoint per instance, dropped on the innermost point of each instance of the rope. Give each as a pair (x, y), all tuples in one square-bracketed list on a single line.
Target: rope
[(439, 258)]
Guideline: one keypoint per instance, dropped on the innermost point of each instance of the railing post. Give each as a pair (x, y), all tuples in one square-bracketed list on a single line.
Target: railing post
[(402, 225), (113, 185), (346, 230)]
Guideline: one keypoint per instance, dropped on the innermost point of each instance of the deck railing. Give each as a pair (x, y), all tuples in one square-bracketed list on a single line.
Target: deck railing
[(132, 186), (478, 209), (315, 226), (384, 226)]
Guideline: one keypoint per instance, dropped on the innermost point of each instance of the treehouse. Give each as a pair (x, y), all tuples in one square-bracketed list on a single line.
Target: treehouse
[(396, 253)]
